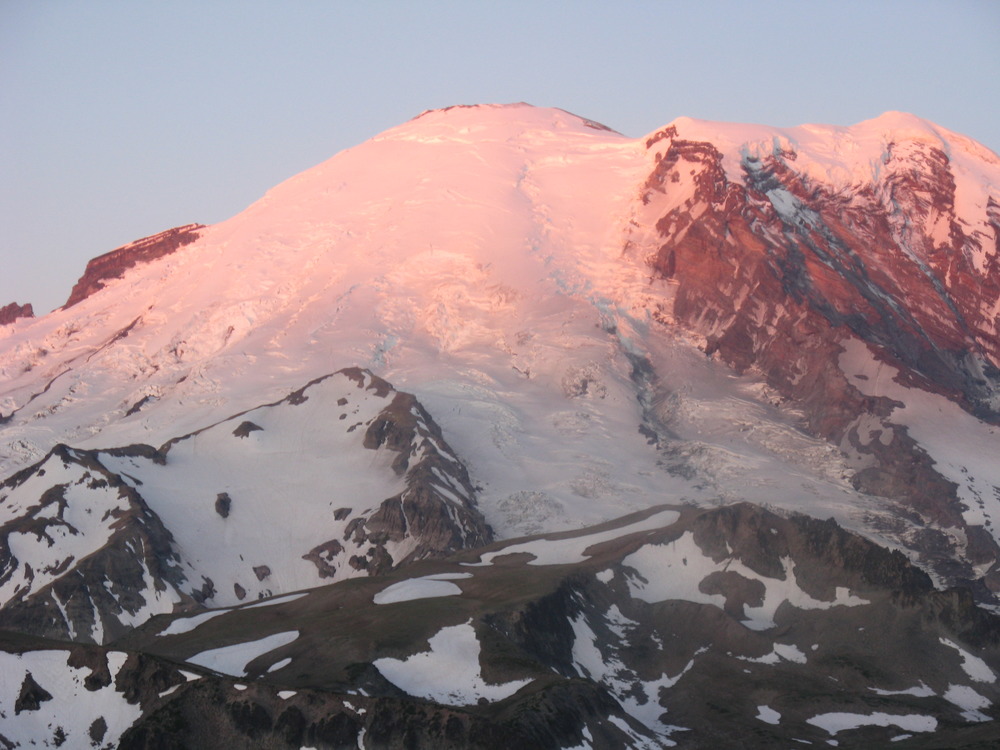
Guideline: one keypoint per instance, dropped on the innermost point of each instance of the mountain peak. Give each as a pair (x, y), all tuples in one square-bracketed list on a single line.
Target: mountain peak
[(456, 108), (481, 118)]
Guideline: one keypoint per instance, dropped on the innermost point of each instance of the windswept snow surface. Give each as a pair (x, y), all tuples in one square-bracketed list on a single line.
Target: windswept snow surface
[(449, 673), (187, 624), (283, 483), (854, 156), (274, 600), (573, 549)]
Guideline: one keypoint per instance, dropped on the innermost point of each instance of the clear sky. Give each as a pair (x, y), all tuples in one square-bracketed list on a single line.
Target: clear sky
[(121, 119)]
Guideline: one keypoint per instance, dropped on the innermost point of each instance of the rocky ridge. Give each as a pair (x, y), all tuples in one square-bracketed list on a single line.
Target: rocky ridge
[(85, 554), (573, 639), (113, 264)]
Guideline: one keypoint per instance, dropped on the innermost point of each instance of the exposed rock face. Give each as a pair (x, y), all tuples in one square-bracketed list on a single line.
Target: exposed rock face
[(89, 558), (722, 628), (13, 311), (777, 270), (32, 695), (113, 264), (419, 511), (798, 667), (213, 714)]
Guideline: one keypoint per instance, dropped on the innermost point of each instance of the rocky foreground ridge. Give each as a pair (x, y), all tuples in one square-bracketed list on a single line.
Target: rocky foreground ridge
[(628, 635)]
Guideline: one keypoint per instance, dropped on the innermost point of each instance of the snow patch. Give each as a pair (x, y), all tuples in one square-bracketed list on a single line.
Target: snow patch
[(187, 624), (676, 570), (426, 587), (572, 549), (274, 600), (73, 708), (233, 660), (969, 701), (449, 673), (975, 667), (768, 715), (840, 722), (920, 691)]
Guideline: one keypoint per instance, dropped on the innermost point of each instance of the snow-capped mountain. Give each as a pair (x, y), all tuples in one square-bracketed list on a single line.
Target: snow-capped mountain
[(580, 326)]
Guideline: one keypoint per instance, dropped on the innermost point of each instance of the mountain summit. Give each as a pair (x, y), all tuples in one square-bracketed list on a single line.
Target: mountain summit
[(496, 322)]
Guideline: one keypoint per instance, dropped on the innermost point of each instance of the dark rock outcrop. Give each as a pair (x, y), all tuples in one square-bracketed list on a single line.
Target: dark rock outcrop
[(437, 508), (13, 311), (212, 714), (777, 270), (223, 504), (32, 695), (113, 264)]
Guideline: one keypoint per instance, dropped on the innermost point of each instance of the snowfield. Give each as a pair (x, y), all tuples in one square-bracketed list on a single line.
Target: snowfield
[(676, 570), (449, 673), (510, 294)]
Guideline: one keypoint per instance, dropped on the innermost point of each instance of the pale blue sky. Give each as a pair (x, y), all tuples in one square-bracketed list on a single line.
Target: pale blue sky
[(121, 119)]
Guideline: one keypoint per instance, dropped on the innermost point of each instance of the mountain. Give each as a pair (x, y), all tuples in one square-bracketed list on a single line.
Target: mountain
[(511, 326)]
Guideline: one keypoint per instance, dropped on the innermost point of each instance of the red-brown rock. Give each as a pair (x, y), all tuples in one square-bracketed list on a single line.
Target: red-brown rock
[(112, 265), (13, 311), (776, 270)]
